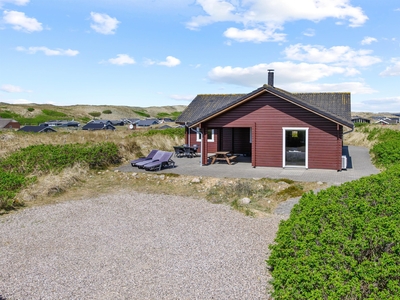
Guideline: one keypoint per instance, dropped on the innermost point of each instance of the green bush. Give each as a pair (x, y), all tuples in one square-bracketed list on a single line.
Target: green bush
[(53, 113), (30, 109), (107, 112), (46, 158), (10, 184), (171, 132), (16, 170), (343, 243), (141, 113), (8, 115), (386, 151), (95, 114)]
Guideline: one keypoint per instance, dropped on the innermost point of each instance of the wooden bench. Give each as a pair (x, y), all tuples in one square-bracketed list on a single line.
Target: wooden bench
[(232, 157)]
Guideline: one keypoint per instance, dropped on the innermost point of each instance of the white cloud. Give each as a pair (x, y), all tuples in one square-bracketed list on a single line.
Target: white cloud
[(393, 70), (261, 16), (368, 40), (122, 59), (289, 72), (149, 62), (352, 86), (337, 55), (21, 22), (254, 35), (182, 97), (17, 101), (9, 88), (390, 104), (16, 2), (103, 23), (309, 32), (49, 52), (170, 62)]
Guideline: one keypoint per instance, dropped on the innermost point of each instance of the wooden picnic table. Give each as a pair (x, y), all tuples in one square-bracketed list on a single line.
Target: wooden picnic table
[(221, 155)]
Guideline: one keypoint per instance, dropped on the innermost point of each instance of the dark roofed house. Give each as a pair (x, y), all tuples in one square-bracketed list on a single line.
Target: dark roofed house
[(276, 128), (358, 119), (98, 126), (9, 124), (37, 129), (147, 122), (388, 121)]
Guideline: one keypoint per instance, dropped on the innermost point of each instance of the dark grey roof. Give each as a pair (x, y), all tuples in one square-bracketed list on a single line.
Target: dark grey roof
[(37, 129), (334, 106), (97, 126), (147, 122)]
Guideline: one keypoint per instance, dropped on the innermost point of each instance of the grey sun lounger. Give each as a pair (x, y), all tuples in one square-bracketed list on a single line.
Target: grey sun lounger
[(156, 156), (163, 162), (147, 158)]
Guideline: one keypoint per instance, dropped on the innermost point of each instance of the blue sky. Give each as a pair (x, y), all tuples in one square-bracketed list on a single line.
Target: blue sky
[(165, 52)]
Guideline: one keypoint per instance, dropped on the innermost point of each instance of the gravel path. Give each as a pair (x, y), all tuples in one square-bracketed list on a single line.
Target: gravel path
[(134, 246)]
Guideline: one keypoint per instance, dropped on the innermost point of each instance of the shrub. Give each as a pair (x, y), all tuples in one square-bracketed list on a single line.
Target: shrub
[(343, 243), (141, 113), (163, 115), (8, 115), (30, 109), (45, 158), (171, 132), (95, 114), (10, 184), (107, 112), (53, 113), (385, 151)]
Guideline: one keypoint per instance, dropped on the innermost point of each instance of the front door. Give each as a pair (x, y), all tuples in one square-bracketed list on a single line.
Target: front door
[(295, 147)]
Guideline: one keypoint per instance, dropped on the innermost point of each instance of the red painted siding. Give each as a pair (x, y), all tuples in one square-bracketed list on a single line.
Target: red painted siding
[(267, 115)]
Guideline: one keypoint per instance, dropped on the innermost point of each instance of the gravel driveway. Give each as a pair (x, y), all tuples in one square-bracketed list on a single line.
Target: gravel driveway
[(134, 246)]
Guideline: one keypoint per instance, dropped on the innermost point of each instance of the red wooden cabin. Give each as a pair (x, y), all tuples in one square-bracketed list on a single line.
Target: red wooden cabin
[(276, 128)]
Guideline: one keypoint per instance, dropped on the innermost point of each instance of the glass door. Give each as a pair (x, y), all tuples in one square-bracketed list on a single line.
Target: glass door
[(295, 144)]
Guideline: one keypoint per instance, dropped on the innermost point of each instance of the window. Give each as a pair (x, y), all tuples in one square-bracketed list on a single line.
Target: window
[(295, 147), (210, 135)]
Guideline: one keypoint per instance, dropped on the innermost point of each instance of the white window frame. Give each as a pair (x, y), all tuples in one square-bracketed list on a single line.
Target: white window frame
[(284, 145), (198, 137)]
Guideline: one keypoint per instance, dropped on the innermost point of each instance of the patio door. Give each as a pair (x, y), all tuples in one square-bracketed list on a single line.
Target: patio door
[(295, 147)]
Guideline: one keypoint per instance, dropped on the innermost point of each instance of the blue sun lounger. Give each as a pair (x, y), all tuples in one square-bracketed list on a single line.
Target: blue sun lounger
[(163, 162), (156, 156), (147, 158)]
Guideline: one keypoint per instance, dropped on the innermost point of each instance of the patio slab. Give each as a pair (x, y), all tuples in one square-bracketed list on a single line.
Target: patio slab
[(359, 163)]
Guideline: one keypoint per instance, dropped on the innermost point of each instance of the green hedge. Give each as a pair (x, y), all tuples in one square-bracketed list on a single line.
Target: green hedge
[(16, 170), (46, 158), (343, 243)]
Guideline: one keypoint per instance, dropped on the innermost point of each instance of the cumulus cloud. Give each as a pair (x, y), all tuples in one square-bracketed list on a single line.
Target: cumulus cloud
[(9, 88), (390, 104), (103, 23), (16, 2), (254, 35), (337, 55), (17, 101), (289, 72), (170, 62), (393, 70), (49, 52), (261, 19), (21, 22), (183, 97), (122, 59), (368, 40), (293, 77)]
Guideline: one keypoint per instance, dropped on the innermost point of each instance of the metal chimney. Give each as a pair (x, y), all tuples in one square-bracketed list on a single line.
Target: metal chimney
[(271, 77)]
